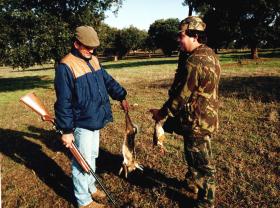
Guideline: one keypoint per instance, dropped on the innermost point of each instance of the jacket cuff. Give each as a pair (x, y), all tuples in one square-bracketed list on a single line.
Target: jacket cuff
[(66, 131), (123, 97)]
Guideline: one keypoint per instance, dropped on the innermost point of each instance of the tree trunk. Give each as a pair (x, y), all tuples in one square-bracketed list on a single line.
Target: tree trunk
[(190, 9), (254, 53)]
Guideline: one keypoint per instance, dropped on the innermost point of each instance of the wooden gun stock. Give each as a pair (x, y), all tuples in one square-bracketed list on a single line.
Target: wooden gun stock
[(33, 102), (75, 152)]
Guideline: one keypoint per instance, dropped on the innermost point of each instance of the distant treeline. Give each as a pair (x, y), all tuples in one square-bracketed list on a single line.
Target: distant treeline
[(36, 32)]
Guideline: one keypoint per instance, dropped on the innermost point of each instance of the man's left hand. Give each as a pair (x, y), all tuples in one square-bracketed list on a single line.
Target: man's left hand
[(157, 114)]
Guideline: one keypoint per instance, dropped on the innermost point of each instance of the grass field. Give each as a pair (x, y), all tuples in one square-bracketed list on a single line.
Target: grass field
[(36, 168)]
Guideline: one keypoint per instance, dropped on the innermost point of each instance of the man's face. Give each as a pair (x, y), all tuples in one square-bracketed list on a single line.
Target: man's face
[(186, 42), (84, 51)]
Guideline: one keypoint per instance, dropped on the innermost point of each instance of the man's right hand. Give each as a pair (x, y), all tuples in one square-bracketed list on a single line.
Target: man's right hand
[(125, 105), (67, 139)]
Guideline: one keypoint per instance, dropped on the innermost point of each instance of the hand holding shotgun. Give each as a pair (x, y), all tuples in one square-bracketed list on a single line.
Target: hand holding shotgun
[(67, 139)]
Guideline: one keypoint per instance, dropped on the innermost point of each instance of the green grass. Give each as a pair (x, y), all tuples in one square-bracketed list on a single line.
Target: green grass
[(36, 168)]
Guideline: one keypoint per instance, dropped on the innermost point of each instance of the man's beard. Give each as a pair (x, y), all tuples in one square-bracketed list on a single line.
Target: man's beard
[(85, 58)]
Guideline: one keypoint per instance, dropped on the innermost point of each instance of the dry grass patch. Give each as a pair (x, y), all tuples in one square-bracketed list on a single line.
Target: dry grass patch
[(36, 168)]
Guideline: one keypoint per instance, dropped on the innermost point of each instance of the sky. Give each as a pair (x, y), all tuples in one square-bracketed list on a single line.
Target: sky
[(142, 13)]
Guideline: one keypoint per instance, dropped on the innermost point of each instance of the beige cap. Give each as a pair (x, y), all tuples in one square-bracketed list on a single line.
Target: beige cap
[(87, 36)]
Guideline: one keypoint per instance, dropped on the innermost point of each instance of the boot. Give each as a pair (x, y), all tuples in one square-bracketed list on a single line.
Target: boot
[(98, 195)]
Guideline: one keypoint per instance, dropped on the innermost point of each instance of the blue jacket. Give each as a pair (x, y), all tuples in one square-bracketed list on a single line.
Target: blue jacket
[(82, 90)]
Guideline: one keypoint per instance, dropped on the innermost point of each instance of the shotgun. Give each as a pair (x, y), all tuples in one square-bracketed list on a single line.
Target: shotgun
[(33, 102)]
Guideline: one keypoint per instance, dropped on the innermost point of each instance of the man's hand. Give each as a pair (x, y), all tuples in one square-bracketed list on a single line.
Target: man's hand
[(124, 105), (67, 139), (157, 114)]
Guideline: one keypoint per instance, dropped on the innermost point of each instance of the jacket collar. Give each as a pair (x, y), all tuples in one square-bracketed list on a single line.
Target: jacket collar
[(76, 53)]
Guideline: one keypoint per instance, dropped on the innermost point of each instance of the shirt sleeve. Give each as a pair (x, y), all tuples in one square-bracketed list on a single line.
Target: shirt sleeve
[(64, 86), (115, 90)]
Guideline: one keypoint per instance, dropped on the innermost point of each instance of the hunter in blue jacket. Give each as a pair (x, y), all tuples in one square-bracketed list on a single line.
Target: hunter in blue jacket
[(82, 108)]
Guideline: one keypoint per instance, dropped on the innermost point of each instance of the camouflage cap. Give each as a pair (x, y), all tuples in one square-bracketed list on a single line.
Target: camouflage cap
[(87, 36), (192, 23)]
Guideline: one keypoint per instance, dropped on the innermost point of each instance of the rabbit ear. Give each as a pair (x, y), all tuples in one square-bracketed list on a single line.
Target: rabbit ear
[(121, 170)]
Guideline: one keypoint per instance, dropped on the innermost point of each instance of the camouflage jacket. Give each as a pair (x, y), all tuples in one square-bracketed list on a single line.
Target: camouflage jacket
[(193, 96)]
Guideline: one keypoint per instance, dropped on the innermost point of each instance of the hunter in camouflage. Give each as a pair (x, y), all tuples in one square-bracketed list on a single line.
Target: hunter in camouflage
[(192, 108)]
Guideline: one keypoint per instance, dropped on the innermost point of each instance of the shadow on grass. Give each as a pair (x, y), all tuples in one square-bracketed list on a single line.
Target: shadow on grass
[(23, 151), (272, 54), (108, 163), (146, 179), (35, 69), (263, 53), (23, 83), (50, 139), (163, 83), (139, 63), (15, 145), (237, 56), (261, 88)]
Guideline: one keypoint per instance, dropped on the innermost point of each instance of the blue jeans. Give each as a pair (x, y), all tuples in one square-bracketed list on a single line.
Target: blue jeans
[(87, 143)]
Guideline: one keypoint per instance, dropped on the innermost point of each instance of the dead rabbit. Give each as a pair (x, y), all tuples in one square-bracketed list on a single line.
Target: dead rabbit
[(159, 137), (128, 148)]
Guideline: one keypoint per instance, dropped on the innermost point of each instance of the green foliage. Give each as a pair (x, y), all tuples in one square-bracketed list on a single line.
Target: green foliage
[(163, 33), (129, 39), (220, 35), (273, 38), (107, 36), (250, 23), (35, 32)]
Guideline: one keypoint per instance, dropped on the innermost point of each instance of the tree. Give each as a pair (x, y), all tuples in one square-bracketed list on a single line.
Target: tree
[(149, 44), (273, 39), (251, 21), (256, 19), (35, 31), (129, 39), (164, 35), (219, 34), (107, 37)]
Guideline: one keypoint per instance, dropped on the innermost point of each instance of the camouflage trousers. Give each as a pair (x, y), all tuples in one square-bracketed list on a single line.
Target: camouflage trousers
[(201, 170)]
